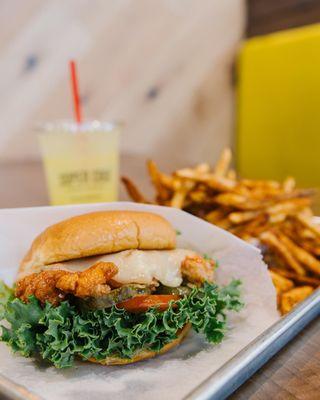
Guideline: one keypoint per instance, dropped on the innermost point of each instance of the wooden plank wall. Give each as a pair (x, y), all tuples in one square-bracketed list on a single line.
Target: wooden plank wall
[(161, 67), (266, 16)]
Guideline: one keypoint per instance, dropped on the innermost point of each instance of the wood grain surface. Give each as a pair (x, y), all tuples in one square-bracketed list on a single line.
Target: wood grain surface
[(163, 68), (274, 15), (294, 373)]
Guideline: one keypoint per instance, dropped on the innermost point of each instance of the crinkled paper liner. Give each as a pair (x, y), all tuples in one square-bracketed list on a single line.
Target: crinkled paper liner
[(173, 375)]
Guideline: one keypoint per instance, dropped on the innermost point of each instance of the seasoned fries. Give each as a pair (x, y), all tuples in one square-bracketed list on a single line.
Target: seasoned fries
[(133, 191), (281, 284), (292, 297), (274, 215), (278, 246)]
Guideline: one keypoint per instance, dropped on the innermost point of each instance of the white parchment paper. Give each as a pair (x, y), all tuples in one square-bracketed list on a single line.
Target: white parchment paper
[(173, 375)]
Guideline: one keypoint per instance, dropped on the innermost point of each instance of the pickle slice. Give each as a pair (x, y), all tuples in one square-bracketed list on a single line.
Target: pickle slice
[(180, 290), (114, 297)]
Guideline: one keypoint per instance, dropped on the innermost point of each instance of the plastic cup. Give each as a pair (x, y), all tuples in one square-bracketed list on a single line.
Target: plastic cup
[(81, 161)]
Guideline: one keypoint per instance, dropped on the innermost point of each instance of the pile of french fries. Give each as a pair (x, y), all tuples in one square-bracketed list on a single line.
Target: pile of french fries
[(276, 216)]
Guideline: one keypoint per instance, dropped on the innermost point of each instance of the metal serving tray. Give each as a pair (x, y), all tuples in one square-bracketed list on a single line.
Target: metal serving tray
[(236, 371), (233, 373)]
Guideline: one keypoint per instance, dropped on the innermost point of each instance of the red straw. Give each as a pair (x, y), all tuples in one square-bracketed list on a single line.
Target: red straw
[(75, 92)]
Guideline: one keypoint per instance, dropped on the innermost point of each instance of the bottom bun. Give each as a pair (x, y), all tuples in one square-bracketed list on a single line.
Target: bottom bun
[(144, 354)]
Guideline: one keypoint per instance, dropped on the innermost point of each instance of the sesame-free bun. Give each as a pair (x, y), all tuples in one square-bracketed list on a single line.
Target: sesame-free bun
[(98, 233), (144, 354)]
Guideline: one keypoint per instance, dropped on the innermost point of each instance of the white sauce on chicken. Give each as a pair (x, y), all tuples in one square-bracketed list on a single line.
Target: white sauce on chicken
[(138, 266)]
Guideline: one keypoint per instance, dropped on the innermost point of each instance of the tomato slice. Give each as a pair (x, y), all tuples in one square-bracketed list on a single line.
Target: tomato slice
[(144, 302)]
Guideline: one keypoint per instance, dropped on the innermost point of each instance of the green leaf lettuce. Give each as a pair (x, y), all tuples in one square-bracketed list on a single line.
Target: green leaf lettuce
[(60, 334), (5, 295)]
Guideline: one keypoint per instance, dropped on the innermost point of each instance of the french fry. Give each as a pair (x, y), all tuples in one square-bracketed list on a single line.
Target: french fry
[(214, 182), (281, 283), (219, 183), (199, 196), (165, 180), (244, 236), (178, 199), (300, 254), (298, 279), (215, 215), (277, 218), (134, 192), (301, 193), (237, 201), (162, 182), (307, 212), (231, 174), (289, 184), (256, 226), (311, 247), (305, 221), (289, 206), (202, 168), (189, 173), (298, 234), (291, 298), (242, 190), (306, 234), (223, 223), (223, 163), (239, 217), (271, 240), (180, 193)]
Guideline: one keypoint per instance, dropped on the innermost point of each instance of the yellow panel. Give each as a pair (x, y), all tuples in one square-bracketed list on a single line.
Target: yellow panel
[(278, 127)]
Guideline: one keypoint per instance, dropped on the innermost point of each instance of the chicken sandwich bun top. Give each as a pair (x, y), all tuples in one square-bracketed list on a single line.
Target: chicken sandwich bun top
[(99, 233), (112, 287)]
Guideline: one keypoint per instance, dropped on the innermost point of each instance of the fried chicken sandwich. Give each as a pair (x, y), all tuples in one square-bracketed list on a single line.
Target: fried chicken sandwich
[(111, 287)]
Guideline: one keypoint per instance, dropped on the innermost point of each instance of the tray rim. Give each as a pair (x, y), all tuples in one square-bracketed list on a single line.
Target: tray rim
[(234, 372), (238, 369)]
